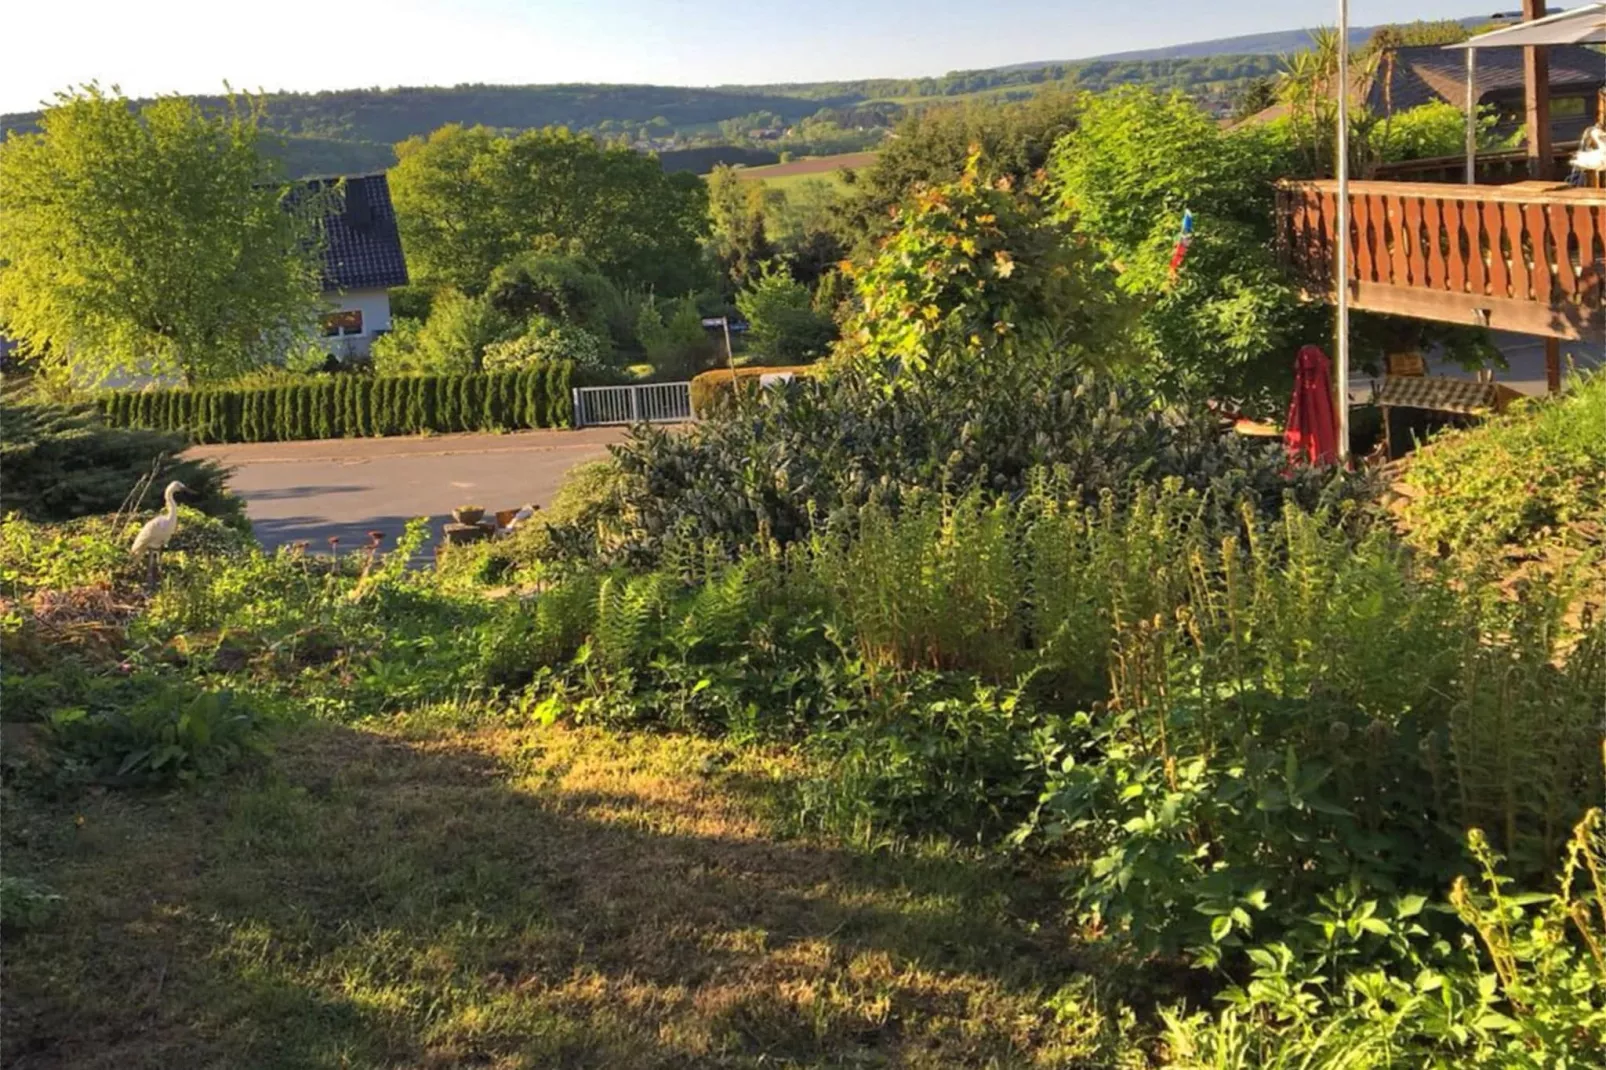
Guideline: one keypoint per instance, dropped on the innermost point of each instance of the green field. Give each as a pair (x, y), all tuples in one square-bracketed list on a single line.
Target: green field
[(808, 168)]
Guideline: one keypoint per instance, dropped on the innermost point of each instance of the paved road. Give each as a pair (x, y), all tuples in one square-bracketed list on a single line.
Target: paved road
[(348, 487)]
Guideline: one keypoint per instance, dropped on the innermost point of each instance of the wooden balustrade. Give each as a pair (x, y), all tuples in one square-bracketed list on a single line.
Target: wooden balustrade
[(1524, 257), (1490, 168)]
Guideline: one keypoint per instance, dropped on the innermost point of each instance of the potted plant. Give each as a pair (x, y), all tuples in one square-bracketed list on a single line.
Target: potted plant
[(468, 514)]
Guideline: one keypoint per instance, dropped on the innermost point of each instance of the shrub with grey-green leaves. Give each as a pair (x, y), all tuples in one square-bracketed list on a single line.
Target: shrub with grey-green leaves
[(793, 457)]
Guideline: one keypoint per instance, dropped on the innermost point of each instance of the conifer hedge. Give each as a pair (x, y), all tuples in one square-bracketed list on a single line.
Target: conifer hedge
[(351, 405)]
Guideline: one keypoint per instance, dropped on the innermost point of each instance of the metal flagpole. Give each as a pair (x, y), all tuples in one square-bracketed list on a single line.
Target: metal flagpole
[(1343, 233), (1472, 116)]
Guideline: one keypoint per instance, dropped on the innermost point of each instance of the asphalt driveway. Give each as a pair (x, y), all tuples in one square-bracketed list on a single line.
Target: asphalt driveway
[(297, 491)]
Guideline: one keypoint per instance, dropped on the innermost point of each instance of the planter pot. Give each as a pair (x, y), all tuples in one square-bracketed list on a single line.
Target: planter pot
[(468, 516)]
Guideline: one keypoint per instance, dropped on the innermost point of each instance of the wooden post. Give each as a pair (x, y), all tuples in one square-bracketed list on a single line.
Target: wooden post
[(1553, 365), (1536, 91)]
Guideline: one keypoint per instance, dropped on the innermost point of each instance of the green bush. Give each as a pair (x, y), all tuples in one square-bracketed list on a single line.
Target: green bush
[(451, 340), (544, 341), (351, 405), (1532, 477), (783, 325), (564, 289), (1368, 984), (710, 388), (172, 734), (61, 462), (800, 454)]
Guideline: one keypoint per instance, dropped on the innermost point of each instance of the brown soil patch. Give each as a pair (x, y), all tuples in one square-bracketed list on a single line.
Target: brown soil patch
[(819, 165)]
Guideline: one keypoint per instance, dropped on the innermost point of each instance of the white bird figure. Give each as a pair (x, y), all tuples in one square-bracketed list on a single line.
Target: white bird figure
[(158, 531), (524, 513)]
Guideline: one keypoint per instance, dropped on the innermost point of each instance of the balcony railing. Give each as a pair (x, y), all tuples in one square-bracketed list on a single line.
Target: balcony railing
[(1527, 257), (1489, 168)]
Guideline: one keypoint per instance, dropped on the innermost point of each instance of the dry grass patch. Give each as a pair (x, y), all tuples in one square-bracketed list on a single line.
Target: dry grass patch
[(513, 897)]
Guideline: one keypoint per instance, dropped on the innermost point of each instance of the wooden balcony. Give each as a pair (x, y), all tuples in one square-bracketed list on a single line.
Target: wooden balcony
[(1527, 257)]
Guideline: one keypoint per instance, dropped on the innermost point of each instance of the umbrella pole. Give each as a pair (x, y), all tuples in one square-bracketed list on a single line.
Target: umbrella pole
[(1341, 377)]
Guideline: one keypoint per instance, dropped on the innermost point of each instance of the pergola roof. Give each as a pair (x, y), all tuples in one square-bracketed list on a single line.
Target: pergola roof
[(1580, 26)]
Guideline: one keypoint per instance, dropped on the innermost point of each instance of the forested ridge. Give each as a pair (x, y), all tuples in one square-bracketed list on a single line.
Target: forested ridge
[(350, 130)]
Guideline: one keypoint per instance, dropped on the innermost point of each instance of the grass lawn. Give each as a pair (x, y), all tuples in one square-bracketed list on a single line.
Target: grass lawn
[(788, 183), (514, 897)]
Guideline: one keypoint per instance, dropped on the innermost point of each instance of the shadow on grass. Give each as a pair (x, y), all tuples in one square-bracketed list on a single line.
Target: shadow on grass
[(520, 898)]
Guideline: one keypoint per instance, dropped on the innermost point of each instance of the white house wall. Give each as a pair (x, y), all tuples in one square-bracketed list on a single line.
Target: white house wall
[(375, 308)]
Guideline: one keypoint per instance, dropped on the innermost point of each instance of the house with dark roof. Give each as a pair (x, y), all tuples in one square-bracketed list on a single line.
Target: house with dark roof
[(362, 260), (1409, 77)]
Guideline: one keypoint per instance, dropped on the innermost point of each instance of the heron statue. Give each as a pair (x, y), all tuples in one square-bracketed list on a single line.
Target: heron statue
[(158, 531)]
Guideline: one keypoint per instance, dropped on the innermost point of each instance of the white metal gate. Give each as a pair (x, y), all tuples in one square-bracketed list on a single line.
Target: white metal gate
[(653, 403)]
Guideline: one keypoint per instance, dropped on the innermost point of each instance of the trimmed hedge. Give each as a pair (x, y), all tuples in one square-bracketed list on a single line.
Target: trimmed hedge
[(715, 385), (351, 405)]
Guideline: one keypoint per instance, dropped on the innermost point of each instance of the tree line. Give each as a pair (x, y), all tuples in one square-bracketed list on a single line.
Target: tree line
[(548, 244)]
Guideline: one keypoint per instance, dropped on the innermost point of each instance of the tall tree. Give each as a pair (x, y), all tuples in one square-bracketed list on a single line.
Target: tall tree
[(469, 200), (152, 241), (976, 282), (737, 234), (1229, 320), (932, 147)]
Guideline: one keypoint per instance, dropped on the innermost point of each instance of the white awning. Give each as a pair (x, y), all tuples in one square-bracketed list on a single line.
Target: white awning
[(1580, 26)]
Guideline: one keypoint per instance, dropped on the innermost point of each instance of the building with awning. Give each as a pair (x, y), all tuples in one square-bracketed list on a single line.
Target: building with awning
[(1526, 256)]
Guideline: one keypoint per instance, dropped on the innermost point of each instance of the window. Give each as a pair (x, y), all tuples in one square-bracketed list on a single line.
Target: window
[(1569, 107), (345, 322)]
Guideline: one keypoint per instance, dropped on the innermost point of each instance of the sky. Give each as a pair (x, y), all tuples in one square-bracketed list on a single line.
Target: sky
[(194, 46)]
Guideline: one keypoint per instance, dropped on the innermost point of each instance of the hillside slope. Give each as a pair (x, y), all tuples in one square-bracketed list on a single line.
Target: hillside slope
[(354, 129)]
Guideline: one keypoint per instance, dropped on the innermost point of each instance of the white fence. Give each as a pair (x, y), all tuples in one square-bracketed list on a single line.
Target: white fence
[(653, 403)]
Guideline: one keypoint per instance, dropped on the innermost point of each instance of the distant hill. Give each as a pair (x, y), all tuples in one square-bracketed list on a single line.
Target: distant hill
[(351, 130), (1278, 43), (1281, 42)]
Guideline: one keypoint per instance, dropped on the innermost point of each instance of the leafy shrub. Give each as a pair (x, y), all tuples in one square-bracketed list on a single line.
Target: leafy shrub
[(25, 903), (803, 453), (63, 461), (1368, 984), (537, 395), (1228, 321), (411, 303), (676, 345), (1532, 477), (170, 734), (565, 289), (925, 756), (393, 353), (973, 277), (1301, 711), (453, 339), (783, 326), (547, 342), (709, 387)]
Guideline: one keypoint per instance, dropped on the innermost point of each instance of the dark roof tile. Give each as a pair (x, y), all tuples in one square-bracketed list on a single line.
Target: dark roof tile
[(362, 247), (1409, 77)]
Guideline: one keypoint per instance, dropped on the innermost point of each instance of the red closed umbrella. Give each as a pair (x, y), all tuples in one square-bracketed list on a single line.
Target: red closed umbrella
[(1312, 432)]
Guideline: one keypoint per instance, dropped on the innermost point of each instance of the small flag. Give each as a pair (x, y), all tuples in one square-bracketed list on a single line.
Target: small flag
[(1183, 241)]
